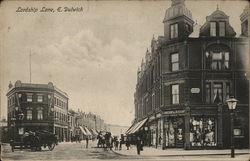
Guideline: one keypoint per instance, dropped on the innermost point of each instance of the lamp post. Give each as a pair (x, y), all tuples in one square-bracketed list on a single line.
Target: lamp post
[(232, 102)]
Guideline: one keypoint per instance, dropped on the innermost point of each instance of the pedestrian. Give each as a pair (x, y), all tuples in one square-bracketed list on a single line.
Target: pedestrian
[(116, 142), (87, 141), (139, 145), (120, 146), (127, 143)]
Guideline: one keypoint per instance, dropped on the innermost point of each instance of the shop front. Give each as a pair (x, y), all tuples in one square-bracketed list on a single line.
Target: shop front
[(190, 129), (203, 131), (174, 132)]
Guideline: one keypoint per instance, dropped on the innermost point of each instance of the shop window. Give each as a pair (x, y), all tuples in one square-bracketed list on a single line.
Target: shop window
[(175, 62), (40, 115), (29, 115), (202, 131), (174, 131), (39, 98), (173, 31), (212, 28), (29, 97), (175, 94)]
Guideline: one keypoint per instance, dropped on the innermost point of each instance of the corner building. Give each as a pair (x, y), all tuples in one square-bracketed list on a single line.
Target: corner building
[(44, 106), (184, 81)]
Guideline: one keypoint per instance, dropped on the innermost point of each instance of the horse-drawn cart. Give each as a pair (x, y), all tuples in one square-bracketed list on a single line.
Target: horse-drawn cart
[(35, 141)]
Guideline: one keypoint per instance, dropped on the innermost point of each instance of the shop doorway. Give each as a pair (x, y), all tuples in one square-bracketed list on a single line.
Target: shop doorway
[(174, 132)]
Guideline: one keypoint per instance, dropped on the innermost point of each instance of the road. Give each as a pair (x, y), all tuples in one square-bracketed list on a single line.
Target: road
[(77, 151)]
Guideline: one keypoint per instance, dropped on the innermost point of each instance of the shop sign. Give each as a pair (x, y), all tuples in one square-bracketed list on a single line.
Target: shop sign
[(195, 90), (174, 112)]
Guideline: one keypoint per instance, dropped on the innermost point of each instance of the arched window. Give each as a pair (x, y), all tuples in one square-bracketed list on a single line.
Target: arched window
[(217, 57)]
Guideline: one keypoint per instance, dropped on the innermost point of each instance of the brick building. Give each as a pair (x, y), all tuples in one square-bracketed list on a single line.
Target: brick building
[(184, 81), (43, 106)]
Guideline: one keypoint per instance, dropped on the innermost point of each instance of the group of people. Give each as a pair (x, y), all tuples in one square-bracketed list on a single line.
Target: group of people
[(108, 141)]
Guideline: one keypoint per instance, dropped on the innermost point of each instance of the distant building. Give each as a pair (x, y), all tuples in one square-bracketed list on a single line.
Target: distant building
[(3, 131), (43, 106), (184, 81), (116, 130)]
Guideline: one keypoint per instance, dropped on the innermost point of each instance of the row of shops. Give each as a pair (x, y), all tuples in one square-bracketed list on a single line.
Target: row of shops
[(84, 132), (189, 129)]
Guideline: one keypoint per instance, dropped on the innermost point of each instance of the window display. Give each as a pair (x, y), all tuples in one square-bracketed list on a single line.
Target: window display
[(174, 131), (202, 131)]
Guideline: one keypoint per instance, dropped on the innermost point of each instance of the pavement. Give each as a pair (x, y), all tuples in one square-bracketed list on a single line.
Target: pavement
[(78, 151), (151, 151)]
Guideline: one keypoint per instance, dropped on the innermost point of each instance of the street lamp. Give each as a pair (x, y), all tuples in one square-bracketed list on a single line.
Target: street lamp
[(232, 102)]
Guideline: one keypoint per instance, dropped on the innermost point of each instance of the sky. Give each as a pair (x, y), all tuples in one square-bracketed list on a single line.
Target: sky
[(92, 55)]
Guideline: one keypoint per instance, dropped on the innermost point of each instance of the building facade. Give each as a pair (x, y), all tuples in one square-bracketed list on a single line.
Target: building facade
[(184, 81), (42, 106)]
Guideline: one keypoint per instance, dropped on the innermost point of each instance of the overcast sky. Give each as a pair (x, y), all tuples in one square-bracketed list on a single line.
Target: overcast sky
[(93, 55)]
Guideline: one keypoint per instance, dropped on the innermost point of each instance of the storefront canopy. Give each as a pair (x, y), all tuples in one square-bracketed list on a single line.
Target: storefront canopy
[(93, 132), (87, 131), (135, 127), (83, 131)]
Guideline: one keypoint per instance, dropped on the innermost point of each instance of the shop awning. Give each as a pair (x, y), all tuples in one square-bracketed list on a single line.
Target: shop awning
[(96, 131), (141, 123), (131, 128), (87, 131), (135, 127), (93, 132), (83, 131)]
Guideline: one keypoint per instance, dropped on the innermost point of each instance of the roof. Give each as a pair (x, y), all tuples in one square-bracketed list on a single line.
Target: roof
[(49, 86)]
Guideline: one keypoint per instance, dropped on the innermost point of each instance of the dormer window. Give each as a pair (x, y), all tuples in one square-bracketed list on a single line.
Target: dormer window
[(174, 31), (212, 28), (217, 29), (222, 31)]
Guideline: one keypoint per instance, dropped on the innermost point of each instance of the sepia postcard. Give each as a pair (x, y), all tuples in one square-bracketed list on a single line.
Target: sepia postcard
[(124, 80)]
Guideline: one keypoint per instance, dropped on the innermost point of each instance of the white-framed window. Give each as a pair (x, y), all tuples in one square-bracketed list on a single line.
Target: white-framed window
[(175, 94), (174, 61), (29, 97), (174, 31), (39, 114), (29, 115), (212, 28), (222, 30), (39, 98)]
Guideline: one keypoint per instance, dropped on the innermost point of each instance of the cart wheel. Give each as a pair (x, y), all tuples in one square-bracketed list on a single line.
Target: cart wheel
[(51, 146)]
